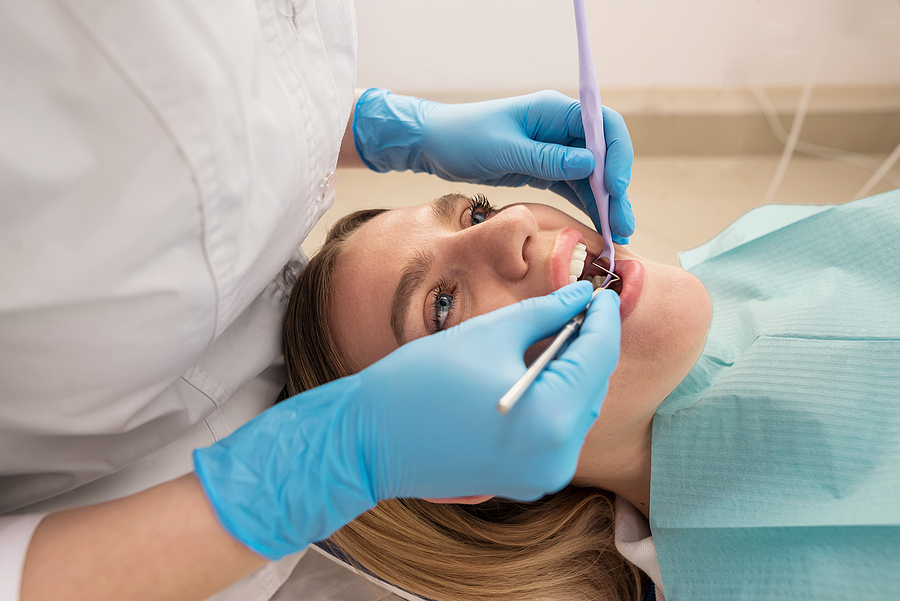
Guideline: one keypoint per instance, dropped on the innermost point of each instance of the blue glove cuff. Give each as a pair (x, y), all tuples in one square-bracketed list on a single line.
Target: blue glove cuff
[(387, 130), (206, 466), (294, 474)]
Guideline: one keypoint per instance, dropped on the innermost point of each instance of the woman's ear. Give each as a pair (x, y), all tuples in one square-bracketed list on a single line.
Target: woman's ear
[(472, 500)]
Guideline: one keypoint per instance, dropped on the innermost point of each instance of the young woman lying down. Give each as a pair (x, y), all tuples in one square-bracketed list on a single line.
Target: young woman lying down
[(731, 426)]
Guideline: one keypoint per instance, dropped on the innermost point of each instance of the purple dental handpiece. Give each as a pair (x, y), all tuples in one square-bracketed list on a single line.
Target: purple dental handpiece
[(595, 141), (592, 116)]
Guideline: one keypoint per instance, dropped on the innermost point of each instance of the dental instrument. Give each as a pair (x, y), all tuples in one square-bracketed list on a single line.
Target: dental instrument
[(592, 116), (595, 141), (547, 355)]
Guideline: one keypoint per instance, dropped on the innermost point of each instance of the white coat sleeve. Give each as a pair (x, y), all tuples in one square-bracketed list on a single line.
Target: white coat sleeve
[(15, 537)]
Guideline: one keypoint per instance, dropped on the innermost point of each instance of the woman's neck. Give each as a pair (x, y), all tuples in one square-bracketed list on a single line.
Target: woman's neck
[(618, 460)]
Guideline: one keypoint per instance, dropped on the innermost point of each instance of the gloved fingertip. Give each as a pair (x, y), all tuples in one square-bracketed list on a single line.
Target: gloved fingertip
[(624, 226), (525, 497), (578, 163), (631, 225), (617, 300), (603, 297), (576, 293), (622, 216), (618, 176), (623, 241)]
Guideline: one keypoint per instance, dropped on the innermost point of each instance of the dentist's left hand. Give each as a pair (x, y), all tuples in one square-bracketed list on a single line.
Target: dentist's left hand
[(535, 140)]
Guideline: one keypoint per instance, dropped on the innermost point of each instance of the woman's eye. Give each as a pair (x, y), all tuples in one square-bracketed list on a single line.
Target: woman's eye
[(479, 209), (443, 301)]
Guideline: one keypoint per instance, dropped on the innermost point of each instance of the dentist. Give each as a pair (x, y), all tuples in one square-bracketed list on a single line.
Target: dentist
[(160, 164)]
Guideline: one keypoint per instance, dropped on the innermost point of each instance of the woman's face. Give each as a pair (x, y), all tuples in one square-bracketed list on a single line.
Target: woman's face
[(410, 272)]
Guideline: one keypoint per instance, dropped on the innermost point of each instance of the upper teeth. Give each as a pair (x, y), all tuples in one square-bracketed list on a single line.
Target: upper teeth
[(576, 264), (576, 267)]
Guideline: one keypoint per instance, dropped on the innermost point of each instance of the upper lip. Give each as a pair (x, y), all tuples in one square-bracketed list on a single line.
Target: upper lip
[(561, 255)]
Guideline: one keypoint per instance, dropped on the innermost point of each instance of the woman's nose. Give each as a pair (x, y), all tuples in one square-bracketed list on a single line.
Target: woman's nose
[(501, 242)]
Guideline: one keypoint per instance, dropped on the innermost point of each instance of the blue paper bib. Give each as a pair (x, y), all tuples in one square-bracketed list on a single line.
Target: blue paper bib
[(776, 462)]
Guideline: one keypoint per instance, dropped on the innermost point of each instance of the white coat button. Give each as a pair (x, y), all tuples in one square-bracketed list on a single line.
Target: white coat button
[(288, 8), (291, 273), (326, 187)]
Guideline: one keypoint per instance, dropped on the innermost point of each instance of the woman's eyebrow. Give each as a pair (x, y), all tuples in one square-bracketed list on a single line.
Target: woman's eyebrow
[(444, 208), (411, 278)]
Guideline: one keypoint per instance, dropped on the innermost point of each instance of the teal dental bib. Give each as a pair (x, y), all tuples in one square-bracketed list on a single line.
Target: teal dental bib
[(776, 461)]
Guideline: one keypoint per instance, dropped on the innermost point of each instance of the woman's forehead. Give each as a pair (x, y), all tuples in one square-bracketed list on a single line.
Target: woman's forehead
[(405, 222), (364, 281), (390, 227)]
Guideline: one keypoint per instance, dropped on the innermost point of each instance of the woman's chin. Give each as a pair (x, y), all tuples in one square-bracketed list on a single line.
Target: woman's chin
[(662, 336), (666, 332)]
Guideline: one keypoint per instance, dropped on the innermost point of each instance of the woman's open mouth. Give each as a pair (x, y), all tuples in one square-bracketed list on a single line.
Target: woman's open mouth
[(575, 265), (597, 272), (629, 273)]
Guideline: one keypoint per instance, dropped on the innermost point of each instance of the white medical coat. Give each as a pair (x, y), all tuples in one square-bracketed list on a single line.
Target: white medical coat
[(160, 163)]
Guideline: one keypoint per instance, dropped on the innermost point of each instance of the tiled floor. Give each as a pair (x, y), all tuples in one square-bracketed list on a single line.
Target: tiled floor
[(679, 201)]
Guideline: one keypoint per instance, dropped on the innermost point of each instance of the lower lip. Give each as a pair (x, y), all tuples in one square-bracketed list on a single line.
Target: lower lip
[(632, 274)]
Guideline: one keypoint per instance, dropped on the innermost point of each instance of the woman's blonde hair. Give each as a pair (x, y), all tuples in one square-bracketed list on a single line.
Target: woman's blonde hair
[(558, 548)]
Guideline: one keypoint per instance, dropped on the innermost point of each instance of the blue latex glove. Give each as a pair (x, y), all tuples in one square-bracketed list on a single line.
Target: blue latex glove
[(535, 140), (422, 422)]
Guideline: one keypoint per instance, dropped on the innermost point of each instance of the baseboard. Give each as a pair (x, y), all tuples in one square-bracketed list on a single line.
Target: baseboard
[(732, 121)]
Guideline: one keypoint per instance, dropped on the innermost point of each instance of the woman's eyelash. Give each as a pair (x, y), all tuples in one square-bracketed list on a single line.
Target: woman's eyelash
[(479, 209), (442, 298), (442, 305)]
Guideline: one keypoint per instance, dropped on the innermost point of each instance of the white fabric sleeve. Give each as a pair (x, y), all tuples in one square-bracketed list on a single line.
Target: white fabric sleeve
[(635, 542), (15, 536)]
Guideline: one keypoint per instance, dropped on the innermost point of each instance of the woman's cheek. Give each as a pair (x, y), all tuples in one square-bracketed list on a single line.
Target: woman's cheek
[(535, 350)]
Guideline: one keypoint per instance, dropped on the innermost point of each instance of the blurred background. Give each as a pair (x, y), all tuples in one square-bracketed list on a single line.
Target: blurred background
[(730, 104)]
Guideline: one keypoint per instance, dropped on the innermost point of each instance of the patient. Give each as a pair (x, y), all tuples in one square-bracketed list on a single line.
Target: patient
[(384, 278), (774, 451)]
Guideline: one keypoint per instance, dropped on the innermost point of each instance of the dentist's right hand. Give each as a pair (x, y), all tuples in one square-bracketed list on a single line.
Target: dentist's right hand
[(422, 422)]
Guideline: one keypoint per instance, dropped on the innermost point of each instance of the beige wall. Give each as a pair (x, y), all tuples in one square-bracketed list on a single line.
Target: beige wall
[(694, 79), (488, 46)]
